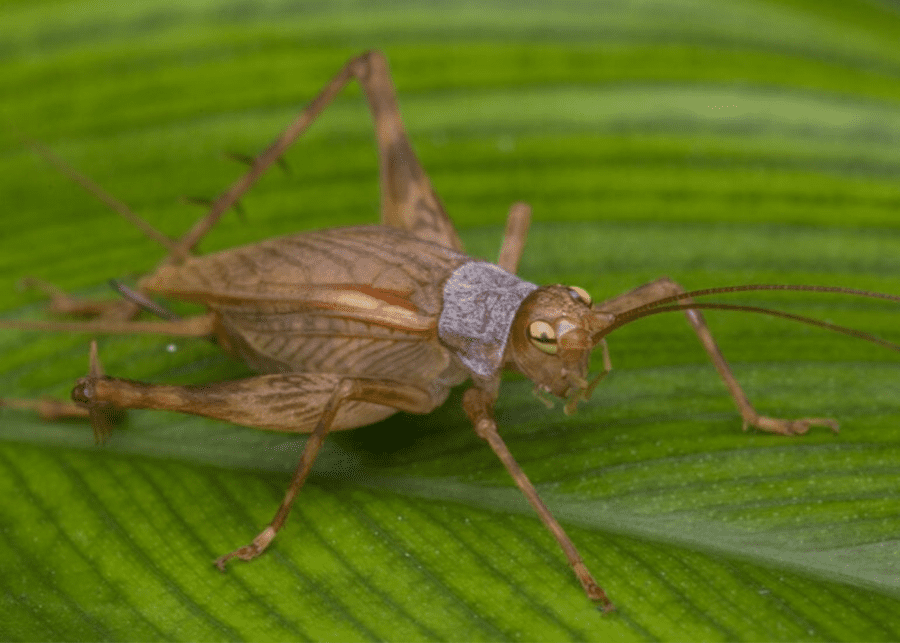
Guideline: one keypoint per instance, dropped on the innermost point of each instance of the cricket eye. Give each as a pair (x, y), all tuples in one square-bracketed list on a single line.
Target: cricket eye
[(580, 293), (543, 337)]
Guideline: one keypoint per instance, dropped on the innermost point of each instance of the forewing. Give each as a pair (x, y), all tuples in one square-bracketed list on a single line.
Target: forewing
[(361, 301), (366, 272)]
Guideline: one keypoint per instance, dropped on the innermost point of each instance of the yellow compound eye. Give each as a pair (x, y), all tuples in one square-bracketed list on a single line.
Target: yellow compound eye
[(543, 337), (581, 293)]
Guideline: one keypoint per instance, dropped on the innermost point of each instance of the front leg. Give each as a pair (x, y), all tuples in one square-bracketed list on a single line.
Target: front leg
[(479, 407), (665, 287)]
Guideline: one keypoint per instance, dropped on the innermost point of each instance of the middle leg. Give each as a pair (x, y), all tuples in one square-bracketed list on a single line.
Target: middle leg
[(296, 402), (479, 407)]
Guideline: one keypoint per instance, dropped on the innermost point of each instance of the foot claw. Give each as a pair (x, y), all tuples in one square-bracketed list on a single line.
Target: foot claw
[(241, 553), (251, 551), (790, 427)]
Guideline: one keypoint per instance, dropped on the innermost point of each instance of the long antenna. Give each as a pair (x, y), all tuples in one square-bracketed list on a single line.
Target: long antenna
[(703, 292), (670, 303)]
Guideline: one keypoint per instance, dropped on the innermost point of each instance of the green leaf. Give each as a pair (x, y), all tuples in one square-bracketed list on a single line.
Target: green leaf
[(717, 143)]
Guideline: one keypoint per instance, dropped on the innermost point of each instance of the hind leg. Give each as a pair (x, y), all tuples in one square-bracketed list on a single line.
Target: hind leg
[(407, 198)]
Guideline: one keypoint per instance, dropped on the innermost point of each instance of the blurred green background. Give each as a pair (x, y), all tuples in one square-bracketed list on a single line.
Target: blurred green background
[(718, 143)]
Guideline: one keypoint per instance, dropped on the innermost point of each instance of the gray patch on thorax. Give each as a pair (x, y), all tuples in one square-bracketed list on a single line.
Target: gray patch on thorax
[(480, 303)]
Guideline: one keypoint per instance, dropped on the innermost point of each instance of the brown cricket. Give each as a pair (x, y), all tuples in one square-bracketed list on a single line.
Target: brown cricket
[(347, 326)]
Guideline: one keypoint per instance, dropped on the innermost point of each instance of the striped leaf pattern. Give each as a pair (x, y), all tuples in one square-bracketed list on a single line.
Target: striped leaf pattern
[(719, 143)]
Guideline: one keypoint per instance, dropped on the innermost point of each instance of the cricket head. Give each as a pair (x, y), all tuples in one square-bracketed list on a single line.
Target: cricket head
[(551, 339), (556, 328)]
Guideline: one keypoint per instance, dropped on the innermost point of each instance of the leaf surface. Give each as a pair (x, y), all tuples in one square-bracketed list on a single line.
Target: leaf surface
[(717, 143)]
